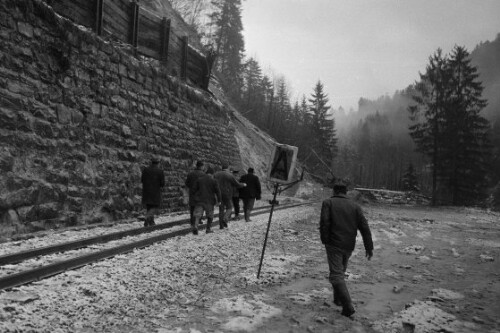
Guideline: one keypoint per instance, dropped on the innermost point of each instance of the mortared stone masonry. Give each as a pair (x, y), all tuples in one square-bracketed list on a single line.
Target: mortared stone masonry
[(79, 119)]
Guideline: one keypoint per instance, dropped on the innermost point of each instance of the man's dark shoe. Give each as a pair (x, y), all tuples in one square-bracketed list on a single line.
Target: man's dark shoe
[(195, 231), (209, 231), (348, 311), (344, 298)]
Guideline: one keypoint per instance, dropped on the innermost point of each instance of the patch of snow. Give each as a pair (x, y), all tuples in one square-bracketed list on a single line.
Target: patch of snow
[(274, 269), (425, 318), (485, 257), (424, 259), (483, 242), (300, 298), (250, 314), (391, 273), (413, 249), (392, 237), (424, 234), (447, 294)]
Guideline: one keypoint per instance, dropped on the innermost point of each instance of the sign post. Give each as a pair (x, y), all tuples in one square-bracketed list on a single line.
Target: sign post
[(280, 171)]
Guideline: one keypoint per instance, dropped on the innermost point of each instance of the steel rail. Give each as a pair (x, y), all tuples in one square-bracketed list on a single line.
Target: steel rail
[(32, 275), (17, 257)]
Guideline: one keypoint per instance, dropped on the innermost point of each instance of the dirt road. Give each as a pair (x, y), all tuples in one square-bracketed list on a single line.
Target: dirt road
[(441, 264), (434, 270)]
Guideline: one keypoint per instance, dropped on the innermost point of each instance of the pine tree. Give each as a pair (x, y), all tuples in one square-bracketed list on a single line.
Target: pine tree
[(410, 182), (229, 44), (466, 134), (448, 128), (282, 119), (430, 96), (253, 99), (324, 140)]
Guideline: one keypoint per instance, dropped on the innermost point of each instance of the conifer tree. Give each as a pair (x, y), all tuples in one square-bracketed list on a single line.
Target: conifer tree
[(324, 140), (282, 119), (466, 131), (229, 44), (431, 97), (253, 99), (410, 182), (448, 127)]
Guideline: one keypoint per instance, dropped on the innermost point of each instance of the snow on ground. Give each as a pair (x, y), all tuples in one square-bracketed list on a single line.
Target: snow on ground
[(416, 281)]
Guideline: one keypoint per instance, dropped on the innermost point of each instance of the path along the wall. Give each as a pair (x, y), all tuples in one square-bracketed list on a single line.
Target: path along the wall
[(80, 117)]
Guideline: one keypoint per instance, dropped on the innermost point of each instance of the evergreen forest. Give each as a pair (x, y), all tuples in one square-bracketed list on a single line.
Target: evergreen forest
[(439, 136)]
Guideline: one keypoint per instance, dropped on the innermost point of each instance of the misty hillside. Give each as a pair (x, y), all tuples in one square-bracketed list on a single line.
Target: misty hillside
[(486, 57)]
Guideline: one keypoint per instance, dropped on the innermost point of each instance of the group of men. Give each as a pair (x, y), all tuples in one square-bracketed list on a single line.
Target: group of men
[(340, 218), (208, 189)]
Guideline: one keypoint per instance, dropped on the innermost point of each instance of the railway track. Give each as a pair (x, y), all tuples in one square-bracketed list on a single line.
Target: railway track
[(35, 274)]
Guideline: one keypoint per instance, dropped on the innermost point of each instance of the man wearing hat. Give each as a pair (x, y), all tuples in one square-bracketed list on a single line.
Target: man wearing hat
[(206, 194), (227, 183), (190, 181), (340, 220), (250, 193), (153, 180)]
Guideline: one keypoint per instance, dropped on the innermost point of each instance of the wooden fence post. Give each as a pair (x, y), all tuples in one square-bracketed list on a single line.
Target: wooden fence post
[(184, 57), (165, 39), (99, 16), (135, 23)]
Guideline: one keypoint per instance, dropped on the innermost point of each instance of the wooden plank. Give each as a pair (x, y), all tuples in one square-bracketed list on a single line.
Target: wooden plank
[(148, 52), (119, 32), (74, 12), (117, 19), (118, 9), (149, 34), (150, 15)]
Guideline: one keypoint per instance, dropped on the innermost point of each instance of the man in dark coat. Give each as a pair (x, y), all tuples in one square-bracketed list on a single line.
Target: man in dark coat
[(190, 181), (250, 193), (153, 180), (236, 198), (227, 183), (341, 218), (206, 195)]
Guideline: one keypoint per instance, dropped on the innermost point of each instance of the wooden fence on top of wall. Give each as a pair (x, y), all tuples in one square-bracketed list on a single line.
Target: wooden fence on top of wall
[(126, 21)]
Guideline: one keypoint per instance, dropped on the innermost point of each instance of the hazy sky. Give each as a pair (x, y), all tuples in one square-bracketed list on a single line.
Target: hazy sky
[(360, 48)]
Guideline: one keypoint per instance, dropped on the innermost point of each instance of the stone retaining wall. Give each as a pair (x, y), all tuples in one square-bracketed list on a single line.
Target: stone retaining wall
[(79, 119)]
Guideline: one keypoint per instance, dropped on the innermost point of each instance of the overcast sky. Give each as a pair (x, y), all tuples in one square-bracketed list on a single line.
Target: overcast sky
[(360, 48)]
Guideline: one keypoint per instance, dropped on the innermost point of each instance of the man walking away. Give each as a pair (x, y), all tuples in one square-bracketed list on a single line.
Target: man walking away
[(190, 181), (153, 180), (340, 220), (206, 195), (236, 198), (250, 193), (226, 184)]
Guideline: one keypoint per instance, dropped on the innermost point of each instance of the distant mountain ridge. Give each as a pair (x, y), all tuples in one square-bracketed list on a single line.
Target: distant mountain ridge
[(485, 56)]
